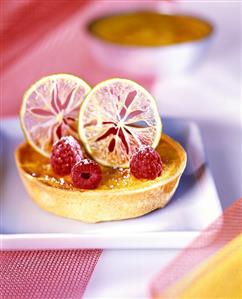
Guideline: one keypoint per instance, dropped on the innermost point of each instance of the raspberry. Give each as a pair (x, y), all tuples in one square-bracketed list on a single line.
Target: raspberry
[(86, 174), (146, 164), (65, 154)]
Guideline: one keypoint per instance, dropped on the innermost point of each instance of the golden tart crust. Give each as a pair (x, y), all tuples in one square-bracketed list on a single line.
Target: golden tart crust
[(119, 195)]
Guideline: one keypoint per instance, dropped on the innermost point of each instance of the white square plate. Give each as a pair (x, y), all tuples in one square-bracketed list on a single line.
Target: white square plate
[(194, 206)]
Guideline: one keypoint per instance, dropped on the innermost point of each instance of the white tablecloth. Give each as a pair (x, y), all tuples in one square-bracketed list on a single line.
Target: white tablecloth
[(211, 96)]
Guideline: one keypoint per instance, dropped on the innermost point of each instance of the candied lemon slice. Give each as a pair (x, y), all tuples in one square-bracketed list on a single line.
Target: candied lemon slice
[(117, 117), (50, 110)]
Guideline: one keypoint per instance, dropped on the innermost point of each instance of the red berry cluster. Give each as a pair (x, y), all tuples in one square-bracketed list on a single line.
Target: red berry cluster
[(67, 158), (146, 164)]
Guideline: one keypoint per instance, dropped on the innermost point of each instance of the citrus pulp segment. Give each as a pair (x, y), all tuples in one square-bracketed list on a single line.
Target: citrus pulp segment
[(117, 117), (50, 110)]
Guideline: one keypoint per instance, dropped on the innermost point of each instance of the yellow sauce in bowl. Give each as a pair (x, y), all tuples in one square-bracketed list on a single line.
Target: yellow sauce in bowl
[(149, 29)]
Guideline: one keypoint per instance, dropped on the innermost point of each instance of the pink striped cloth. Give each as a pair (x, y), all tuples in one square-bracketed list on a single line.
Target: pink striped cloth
[(42, 37), (46, 274)]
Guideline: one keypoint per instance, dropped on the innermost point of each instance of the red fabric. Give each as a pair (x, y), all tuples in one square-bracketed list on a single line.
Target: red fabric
[(46, 274), (26, 22), (213, 238), (42, 37), (37, 38)]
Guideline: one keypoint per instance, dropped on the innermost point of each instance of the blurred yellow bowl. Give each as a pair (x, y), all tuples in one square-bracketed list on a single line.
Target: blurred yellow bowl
[(147, 43)]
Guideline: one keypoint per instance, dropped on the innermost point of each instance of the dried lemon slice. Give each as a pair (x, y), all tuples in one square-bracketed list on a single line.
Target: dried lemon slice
[(50, 110), (116, 118)]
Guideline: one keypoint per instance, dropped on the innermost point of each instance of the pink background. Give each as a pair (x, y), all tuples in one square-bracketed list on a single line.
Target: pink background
[(44, 37)]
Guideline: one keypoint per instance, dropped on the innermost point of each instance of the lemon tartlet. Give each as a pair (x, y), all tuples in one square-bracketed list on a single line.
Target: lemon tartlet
[(119, 195)]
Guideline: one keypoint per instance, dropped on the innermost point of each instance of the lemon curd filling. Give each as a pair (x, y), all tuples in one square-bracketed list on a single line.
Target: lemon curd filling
[(39, 167), (149, 29)]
